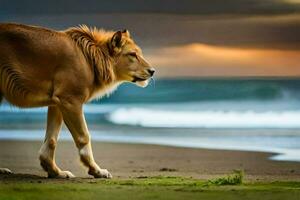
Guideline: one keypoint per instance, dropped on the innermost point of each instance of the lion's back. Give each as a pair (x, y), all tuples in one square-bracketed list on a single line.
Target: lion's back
[(22, 40)]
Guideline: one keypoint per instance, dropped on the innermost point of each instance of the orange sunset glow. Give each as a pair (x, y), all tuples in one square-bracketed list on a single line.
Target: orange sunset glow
[(206, 60)]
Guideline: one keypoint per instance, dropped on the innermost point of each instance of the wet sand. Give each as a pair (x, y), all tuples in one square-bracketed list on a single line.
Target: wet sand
[(136, 160)]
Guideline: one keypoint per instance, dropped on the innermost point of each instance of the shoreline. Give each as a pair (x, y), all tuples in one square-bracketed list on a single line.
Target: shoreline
[(126, 160), (256, 140)]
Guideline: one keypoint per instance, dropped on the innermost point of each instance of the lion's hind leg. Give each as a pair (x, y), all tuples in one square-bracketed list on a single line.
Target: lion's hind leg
[(5, 171), (12, 85)]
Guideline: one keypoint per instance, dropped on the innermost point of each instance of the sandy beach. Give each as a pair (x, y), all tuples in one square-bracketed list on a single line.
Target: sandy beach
[(136, 160)]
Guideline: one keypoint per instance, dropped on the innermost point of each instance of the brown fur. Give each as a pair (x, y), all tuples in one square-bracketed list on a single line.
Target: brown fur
[(63, 70)]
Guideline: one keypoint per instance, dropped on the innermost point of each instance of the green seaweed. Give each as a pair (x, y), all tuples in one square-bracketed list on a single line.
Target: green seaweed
[(236, 178)]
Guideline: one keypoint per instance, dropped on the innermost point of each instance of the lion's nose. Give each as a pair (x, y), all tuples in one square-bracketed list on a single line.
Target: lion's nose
[(151, 71)]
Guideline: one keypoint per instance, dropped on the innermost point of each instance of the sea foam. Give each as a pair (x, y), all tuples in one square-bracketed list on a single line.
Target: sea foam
[(205, 119)]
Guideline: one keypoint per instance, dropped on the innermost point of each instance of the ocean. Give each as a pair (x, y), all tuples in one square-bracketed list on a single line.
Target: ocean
[(252, 114)]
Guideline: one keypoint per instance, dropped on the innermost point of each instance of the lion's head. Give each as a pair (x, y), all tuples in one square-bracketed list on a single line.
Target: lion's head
[(129, 65)]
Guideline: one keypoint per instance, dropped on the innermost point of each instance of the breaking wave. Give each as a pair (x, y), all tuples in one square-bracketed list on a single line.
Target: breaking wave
[(205, 119)]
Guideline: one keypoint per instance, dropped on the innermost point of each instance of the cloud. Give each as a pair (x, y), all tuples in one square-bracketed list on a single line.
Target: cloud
[(206, 60), (277, 32), (203, 7)]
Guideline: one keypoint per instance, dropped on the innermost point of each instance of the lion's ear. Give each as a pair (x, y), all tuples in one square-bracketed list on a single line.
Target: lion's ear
[(116, 40), (126, 32)]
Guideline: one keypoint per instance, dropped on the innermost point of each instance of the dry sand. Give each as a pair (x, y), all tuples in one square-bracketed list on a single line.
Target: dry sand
[(135, 160)]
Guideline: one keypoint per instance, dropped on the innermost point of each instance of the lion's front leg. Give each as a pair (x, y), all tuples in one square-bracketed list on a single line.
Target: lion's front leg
[(47, 151), (74, 119)]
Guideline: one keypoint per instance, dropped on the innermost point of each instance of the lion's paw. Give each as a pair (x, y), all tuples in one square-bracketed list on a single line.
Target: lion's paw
[(5, 171), (101, 173), (62, 174)]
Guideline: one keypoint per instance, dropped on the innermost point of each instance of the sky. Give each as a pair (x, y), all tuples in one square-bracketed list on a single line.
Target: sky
[(196, 38)]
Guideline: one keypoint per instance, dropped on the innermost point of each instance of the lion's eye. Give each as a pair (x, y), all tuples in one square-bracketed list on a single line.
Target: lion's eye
[(132, 54)]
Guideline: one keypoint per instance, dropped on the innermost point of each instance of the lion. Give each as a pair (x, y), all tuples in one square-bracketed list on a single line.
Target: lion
[(63, 70)]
